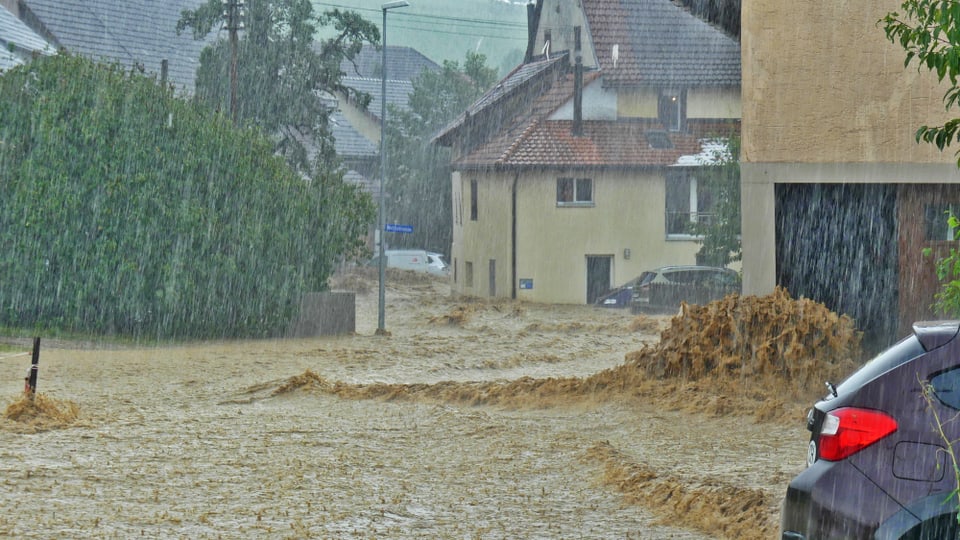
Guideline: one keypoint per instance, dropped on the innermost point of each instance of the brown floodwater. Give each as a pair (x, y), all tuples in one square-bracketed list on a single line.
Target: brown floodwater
[(349, 437)]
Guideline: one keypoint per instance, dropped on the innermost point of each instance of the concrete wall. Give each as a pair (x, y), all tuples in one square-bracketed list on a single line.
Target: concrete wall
[(826, 98), (822, 84), (325, 314)]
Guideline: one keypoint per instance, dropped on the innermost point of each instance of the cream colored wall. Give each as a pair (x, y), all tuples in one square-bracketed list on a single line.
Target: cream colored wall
[(553, 242), (456, 240), (701, 103), (360, 120), (713, 103), (486, 238), (638, 103)]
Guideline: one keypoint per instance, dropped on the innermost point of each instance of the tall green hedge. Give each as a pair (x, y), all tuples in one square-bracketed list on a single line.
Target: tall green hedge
[(126, 210)]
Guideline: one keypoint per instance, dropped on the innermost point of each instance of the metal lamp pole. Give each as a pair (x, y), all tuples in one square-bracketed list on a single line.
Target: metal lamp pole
[(381, 315)]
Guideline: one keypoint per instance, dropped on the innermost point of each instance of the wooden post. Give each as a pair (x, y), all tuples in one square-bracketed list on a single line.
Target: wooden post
[(34, 368)]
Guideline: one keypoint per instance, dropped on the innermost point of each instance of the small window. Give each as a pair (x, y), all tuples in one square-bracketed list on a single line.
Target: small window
[(468, 273), (671, 109), (473, 200), (574, 191), (689, 203), (936, 218)]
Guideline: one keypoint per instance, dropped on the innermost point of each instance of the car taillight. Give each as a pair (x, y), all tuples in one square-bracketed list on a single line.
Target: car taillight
[(848, 430)]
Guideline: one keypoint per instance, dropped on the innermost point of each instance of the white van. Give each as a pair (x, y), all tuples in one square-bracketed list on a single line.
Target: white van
[(415, 259)]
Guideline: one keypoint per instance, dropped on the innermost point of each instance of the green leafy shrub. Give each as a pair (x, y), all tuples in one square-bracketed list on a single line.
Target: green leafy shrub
[(127, 210)]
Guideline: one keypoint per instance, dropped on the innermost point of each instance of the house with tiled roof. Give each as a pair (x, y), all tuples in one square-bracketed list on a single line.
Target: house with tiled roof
[(18, 43), (356, 129), (579, 170), (138, 34)]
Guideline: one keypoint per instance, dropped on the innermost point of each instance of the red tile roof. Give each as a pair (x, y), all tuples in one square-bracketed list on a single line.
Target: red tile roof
[(534, 141), (551, 143)]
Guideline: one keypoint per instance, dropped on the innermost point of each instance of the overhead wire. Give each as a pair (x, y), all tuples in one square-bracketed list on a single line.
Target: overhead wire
[(472, 27)]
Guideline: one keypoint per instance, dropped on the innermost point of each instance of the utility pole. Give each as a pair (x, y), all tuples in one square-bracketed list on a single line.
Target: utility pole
[(233, 22), (381, 329)]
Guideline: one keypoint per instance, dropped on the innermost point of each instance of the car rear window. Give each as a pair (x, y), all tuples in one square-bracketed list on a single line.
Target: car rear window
[(681, 276), (647, 277)]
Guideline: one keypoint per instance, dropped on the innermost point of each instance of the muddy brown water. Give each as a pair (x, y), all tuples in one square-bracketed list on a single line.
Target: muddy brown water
[(211, 440)]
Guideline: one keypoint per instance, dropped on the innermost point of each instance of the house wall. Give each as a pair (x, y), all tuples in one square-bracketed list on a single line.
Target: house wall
[(360, 120), (641, 103), (477, 242), (826, 98), (559, 17), (599, 103), (713, 103), (701, 103), (553, 242)]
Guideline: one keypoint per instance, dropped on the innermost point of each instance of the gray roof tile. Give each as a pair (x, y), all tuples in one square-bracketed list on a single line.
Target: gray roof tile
[(660, 44), (398, 92), (406, 63), (128, 32), (17, 35)]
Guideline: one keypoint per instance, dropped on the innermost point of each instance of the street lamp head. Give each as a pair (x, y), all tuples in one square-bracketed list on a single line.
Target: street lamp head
[(397, 4)]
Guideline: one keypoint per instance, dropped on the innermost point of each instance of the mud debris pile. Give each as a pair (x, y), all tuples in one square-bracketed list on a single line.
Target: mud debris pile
[(795, 340), (726, 510), (767, 354), (40, 413)]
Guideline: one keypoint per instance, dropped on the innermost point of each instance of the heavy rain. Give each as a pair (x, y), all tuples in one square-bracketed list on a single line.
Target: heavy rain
[(535, 269)]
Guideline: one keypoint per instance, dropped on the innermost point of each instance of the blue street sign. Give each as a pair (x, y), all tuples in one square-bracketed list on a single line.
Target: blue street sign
[(393, 227)]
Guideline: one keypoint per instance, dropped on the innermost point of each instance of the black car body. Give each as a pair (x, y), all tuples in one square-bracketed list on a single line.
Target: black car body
[(619, 297), (878, 463), (664, 288)]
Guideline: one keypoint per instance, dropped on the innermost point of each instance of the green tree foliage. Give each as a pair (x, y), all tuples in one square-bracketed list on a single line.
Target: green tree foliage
[(929, 32), (418, 180), (721, 236), (281, 72), (126, 210)]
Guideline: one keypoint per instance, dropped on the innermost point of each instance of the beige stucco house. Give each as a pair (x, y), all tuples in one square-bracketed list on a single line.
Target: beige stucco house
[(839, 201), (578, 171)]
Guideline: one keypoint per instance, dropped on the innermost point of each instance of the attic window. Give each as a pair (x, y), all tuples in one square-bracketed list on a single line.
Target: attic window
[(659, 140)]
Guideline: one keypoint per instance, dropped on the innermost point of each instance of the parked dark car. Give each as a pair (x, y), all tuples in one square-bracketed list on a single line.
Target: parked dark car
[(662, 289), (619, 297), (878, 465)]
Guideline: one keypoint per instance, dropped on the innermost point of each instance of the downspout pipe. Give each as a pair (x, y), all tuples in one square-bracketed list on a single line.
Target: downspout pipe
[(513, 237)]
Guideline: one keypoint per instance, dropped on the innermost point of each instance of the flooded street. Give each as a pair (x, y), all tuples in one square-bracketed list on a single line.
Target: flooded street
[(262, 439)]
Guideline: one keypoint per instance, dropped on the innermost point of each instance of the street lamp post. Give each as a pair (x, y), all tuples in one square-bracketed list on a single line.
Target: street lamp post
[(381, 314)]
